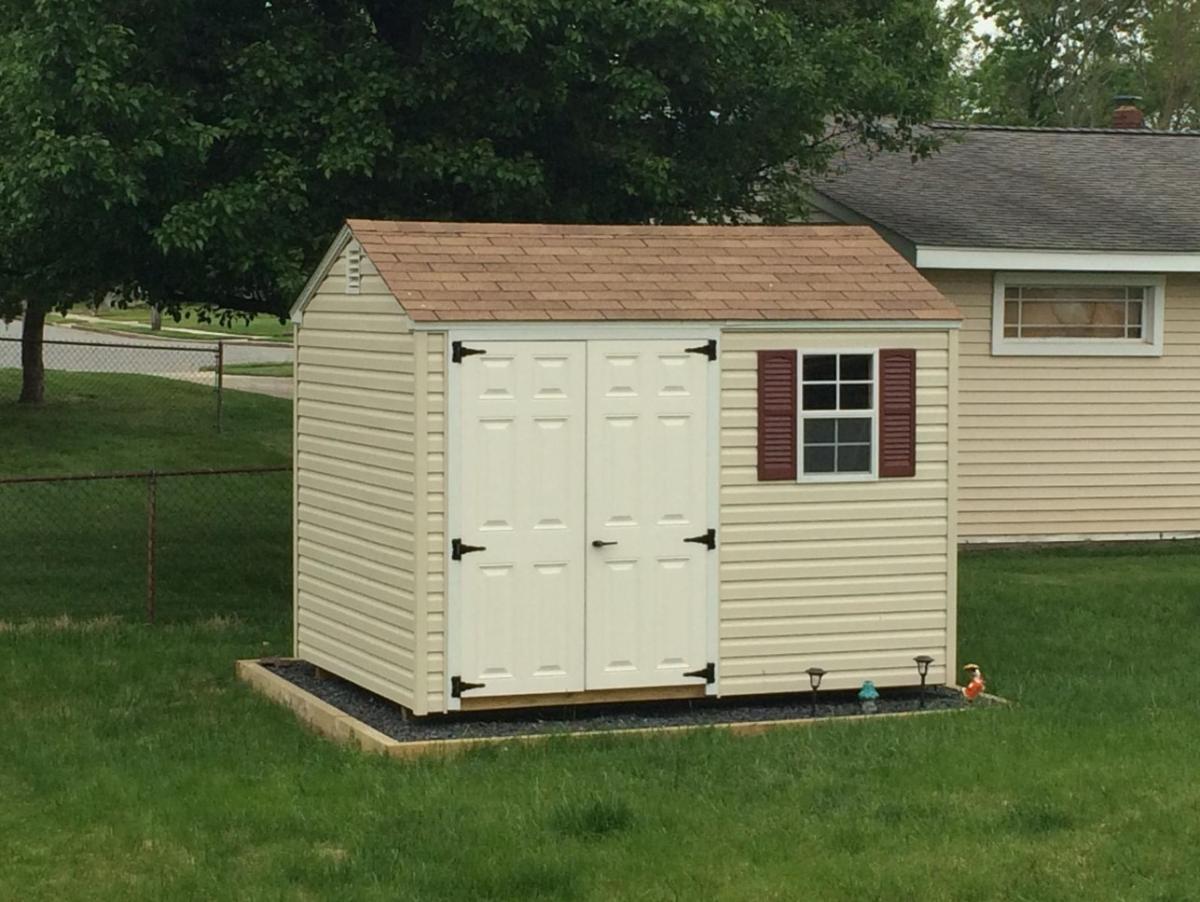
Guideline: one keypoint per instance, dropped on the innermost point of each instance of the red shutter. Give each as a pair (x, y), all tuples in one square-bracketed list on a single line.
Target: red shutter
[(776, 415), (897, 412)]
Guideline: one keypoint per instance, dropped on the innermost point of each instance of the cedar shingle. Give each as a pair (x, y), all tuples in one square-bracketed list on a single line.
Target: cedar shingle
[(485, 271)]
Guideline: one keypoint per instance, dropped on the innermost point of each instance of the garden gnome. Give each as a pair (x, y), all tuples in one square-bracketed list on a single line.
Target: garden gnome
[(975, 687)]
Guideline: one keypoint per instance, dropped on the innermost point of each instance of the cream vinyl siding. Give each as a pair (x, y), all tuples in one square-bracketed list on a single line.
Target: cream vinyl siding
[(433, 516), (1054, 447), (856, 577), (357, 555)]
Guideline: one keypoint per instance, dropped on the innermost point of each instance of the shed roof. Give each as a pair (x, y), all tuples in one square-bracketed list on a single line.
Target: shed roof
[(1051, 188), (478, 271)]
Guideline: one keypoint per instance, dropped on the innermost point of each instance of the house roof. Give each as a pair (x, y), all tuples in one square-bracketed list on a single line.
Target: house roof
[(475, 271), (1055, 189)]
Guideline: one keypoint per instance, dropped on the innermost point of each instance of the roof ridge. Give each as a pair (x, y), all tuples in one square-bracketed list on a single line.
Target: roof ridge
[(599, 229), (949, 125)]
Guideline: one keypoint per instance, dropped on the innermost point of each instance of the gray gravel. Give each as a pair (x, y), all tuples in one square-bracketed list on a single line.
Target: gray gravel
[(389, 718)]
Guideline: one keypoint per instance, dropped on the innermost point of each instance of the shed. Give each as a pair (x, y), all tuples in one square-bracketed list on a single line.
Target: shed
[(539, 464)]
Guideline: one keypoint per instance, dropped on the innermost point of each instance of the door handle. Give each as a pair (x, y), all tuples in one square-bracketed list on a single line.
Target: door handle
[(600, 543)]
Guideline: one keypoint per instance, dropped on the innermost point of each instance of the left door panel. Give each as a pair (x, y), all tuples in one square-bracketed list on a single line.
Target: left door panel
[(523, 444)]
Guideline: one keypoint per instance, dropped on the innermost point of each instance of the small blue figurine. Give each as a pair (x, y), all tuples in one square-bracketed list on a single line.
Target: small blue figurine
[(867, 696)]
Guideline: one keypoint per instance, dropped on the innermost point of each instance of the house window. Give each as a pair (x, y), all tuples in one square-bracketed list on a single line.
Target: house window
[(837, 416), (1067, 314)]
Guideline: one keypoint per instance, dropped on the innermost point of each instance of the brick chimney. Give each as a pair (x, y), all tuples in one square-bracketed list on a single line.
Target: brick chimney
[(1126, 113)]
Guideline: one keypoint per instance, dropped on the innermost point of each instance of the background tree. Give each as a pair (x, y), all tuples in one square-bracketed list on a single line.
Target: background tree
[(179, 151), (1047, 63)]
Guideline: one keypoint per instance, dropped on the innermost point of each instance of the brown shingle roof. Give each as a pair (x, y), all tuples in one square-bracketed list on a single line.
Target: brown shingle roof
[(498, 271)]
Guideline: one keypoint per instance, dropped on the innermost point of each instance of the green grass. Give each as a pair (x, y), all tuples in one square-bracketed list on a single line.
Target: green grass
[(223, 542), (137, 319), (133, 766), (253, 369), (102, 422)]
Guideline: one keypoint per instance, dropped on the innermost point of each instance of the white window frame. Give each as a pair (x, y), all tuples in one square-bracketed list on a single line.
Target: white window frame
[(1149, 345), (802, 415)]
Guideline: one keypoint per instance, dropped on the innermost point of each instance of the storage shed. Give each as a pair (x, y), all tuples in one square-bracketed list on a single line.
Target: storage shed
[(539, 464)]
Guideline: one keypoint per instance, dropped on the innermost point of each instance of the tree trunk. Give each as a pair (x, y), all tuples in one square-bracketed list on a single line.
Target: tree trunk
[(155, 319), (33, 369)]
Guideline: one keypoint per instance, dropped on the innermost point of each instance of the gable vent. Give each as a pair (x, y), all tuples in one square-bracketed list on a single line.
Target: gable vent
[(353, 268)]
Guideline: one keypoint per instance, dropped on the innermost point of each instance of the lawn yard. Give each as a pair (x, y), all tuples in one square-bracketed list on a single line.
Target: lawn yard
[(133, 766), (137, 320), (80, 547)]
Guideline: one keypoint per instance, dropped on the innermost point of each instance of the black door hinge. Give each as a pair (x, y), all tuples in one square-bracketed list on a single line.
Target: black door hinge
[(458, 549), (458, 352), (708, 672), (708, 349), (708, 540), (458, 686)]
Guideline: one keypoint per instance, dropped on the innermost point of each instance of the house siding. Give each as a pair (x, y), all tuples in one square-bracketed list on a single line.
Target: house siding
[(857, 578), (357, 570), (1089, 447)]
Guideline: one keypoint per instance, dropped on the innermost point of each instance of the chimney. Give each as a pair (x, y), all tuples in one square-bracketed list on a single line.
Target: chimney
[(1126, 113)]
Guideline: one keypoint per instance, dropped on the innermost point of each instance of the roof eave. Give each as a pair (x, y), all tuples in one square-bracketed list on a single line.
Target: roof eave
[(929, 256), (839, 211)]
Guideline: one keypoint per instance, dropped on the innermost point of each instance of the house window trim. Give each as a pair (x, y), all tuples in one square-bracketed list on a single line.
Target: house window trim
[(802, 416), (1153, 315)]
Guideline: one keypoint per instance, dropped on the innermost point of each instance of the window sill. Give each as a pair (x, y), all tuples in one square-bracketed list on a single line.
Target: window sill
[(820, 478), (1084, 348)]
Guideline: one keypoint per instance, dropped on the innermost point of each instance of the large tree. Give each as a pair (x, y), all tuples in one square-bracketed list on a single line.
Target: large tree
[(204, 151), (1063, 62)]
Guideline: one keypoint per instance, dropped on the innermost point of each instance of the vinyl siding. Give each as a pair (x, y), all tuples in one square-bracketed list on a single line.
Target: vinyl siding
[(356, 505), (1092, 447), (433, 516), (856, 578)]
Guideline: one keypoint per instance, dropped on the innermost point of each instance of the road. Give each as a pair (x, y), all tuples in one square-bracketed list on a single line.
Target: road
[(134, 354), (107, 353)]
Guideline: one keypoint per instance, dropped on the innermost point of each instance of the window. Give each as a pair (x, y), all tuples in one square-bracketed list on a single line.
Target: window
[(837, 415), (1077, 314)]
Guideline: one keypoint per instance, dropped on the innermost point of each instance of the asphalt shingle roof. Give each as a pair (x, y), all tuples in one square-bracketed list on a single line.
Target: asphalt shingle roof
[(476, 271), (1059, 189)]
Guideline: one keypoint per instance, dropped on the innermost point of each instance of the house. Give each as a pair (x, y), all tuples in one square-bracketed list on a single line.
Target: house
[(542, 464), (1074, 256)]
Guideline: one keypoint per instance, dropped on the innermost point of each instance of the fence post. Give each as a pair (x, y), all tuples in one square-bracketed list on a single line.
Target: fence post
[(220, 379), (151, 536)]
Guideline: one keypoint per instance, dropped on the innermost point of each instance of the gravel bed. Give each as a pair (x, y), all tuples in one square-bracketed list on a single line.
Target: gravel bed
[(389, 718)]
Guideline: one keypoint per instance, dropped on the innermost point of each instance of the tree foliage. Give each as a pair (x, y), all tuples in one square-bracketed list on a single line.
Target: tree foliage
[(204, 151), (1049, 63)]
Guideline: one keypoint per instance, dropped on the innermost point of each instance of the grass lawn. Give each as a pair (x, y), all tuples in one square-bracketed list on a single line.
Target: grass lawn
[(223, 542), (107, 422), (137, 319), (133, 766), (253, 369)]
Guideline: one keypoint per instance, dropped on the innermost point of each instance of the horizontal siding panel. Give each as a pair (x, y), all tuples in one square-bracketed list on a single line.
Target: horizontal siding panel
[(805, 569), (382, 517), (348, 340), (398, 594), (744, 492), (394, 616), (388, 537), (814, 530), (353, 452), (402, 384), (364, 417), (836, 643), (367, 643), (396, 642), (848, 677), (816, 550), (359, 359), (353, 396), (784, 605), (774, 629), (356, 544), (794, 509), (347, 471), (372, 674), (345, 319)]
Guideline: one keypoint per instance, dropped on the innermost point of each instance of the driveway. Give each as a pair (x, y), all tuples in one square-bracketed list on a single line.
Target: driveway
[(98, 352)]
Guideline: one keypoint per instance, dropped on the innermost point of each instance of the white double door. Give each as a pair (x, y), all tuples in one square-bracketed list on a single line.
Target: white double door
[(583, 471)]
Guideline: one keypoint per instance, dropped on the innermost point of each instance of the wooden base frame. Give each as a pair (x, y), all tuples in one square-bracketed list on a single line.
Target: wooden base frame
[(588, 697), (325, 719)]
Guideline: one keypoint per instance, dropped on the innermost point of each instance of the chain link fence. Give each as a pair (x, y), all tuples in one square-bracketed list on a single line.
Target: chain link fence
[(163, 546), (78, 369)]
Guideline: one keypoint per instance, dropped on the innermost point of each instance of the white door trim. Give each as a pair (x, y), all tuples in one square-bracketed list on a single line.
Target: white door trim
[(565, 332)]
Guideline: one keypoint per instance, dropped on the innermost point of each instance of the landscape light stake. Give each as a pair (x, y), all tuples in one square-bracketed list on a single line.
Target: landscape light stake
[(923, 662), (814, 681), (151, 530)]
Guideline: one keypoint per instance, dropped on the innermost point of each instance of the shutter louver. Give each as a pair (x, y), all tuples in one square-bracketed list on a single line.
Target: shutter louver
[(897, 412), (776, 415)]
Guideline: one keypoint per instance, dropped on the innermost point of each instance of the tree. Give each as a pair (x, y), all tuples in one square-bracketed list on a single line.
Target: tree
[(201, 151), (1047, 63)]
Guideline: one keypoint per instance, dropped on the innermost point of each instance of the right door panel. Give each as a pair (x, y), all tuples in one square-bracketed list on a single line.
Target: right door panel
[(647, 484)]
